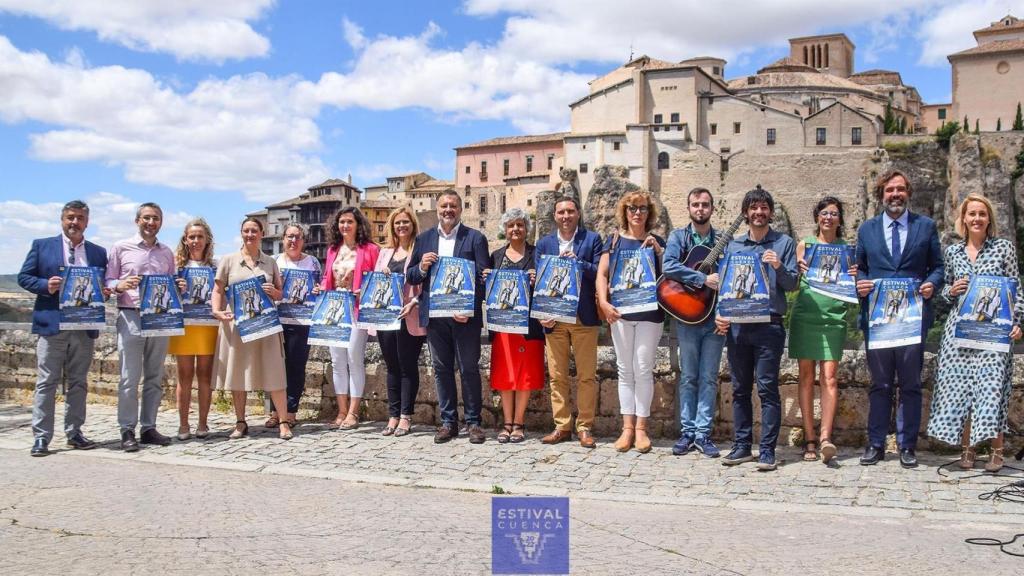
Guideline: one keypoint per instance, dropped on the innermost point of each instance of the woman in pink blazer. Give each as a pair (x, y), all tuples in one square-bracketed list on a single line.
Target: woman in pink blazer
[(401, 348), (350, 253)]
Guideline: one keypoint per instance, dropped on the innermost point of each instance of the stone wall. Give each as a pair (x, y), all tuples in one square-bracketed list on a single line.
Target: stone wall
[(17, 371)]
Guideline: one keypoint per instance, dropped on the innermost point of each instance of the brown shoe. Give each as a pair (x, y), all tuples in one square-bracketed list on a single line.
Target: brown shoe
[(445, 433), (586, 439), (476, 435), (557, 436)]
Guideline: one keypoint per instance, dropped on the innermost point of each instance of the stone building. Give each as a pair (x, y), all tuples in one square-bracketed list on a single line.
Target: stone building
[(396, 187), (935, 116), (377, 212), (988, 80)]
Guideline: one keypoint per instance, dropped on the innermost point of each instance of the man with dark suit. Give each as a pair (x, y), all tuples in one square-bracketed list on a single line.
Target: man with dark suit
[(60, 353), (896, 244), (573, 241), (452, 341)]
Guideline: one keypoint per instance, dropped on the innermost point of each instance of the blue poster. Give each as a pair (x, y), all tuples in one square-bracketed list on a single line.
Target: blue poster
[(255, 315), (557, 293), (633, 283), (297, 299), (530, 535), (895, 314), (333, 317), (196, 300), (159, 306), (827, 266), (81, 299), (452, 287), (984, 318), (380, 301), (507, 303), (745, 295)]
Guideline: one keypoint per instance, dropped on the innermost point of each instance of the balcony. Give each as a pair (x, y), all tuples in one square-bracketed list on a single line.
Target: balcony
[(482, 176)]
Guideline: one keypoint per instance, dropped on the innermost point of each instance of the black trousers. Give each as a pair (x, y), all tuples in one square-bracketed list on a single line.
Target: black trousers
[(454, 345), (296, 353), (401, 352)]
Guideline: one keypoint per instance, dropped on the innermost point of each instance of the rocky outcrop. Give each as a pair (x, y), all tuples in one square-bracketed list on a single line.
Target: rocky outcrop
[(611, 183)]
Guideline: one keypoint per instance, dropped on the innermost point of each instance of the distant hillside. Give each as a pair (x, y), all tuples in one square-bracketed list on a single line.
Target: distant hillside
[(9, 283)]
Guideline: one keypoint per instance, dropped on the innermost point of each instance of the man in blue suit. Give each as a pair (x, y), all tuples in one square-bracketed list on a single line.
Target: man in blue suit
[(452, 341), (60, 353), (896, 244), (573, 241)]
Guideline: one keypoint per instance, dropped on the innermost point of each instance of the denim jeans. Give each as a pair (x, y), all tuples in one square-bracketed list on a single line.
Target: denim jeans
[(700, 353), (755, 352)]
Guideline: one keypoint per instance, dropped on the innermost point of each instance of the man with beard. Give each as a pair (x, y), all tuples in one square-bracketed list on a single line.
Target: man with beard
[(896, 244), (453, 341), (755, 350), (700, 348)]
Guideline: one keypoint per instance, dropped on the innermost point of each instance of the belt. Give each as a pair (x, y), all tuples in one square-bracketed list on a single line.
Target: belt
[(776, 319), (127, 308)]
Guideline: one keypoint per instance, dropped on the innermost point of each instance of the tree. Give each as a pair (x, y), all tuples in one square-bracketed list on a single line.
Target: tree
[(999, 124), (1018, 121), (977, 129), (890, 123), (943, 134), (966, 124)]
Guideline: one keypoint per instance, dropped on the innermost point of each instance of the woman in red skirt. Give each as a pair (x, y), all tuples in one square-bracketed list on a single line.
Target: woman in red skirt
[(517, 360)]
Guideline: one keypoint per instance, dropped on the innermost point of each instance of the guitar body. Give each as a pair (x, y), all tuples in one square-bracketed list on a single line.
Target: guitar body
[(684, 303)]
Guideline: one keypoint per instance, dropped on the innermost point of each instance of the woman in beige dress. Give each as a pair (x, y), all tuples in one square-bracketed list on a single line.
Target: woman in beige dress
[(257, 365)]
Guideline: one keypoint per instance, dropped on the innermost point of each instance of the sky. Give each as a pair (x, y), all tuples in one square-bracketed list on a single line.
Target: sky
[(216, 109)]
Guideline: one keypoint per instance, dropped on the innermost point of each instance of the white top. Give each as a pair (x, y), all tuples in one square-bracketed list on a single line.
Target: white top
[(307, 262), (446, 242), (904, 221), (566, 245), (80, 258)]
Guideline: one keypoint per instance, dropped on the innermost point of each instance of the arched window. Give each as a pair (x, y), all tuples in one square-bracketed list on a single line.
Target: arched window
[(662, 160)]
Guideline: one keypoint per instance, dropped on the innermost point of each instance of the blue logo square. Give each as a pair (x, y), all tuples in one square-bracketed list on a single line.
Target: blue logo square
[(529, 535)]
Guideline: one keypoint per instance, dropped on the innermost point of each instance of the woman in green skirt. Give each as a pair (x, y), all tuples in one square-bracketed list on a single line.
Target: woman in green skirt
[(817, 334)]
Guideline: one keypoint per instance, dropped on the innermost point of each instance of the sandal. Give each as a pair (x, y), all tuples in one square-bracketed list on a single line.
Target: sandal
[(518, 433), (389, 429), (828, 450), (350, 425), (995, 461), (285, 432), (239, 432), (967, 458), (811, 454), (399, 431), (506, 434), (202, 431), (336, 423), (272, 422)]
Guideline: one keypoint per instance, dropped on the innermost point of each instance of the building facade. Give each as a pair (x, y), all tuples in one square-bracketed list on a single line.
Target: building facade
[(988, 80), (312, 209)]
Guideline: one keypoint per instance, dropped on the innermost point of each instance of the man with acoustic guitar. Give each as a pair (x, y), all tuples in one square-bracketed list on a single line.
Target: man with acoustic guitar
[(700, 348)]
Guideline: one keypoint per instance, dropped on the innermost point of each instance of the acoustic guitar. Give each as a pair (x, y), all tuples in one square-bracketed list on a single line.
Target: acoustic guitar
[(692, 305)]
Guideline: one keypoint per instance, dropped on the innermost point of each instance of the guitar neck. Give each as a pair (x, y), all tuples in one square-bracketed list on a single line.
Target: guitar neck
[(720, 244)]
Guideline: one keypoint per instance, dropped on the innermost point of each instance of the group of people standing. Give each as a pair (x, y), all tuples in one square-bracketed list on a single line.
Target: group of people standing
[(971, 391)]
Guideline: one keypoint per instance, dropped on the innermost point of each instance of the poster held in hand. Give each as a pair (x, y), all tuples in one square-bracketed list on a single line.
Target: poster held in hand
[(507, 303), (633, 283), (745, 297), (380, 301), (557, 293), (198, 292), (895, 315), (827, 266), (81, 299), (333, 319), (984, 318), (160, 309), (255, 315), (452, 288), (297, 298)]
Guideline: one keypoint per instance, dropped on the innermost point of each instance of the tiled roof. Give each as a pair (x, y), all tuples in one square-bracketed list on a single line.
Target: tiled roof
[(992, 48), (504, 141), (332, 182), (787, 64), (790, 79), (998, 26)]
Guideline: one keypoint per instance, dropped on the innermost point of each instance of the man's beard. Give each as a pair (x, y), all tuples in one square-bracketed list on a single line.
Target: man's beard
[(700, 221), (895, 211)]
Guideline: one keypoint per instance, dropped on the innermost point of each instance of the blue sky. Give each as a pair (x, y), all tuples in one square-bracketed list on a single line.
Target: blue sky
[(215, 109)]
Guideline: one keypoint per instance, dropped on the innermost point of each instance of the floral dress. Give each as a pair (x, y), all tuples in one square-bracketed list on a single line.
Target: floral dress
[(973, 382)]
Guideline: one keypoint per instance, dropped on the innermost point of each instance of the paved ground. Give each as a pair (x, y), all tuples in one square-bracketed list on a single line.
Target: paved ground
[(328, 502)]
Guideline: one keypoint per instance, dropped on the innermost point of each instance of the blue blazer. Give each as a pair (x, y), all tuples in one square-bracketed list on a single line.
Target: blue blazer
[(469, 244), (921, 259), (587, 247), (45, 259)]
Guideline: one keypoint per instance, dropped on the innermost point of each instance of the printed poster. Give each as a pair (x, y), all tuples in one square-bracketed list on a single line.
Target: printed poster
[(452, 288), (297, 299), (827, 266), (81, 299), (895, 314), (633, 285), (380, 301), (745, 296), (984, 318), (333, 317), (556, 295), (507, 303), (160, 308), (255, 315), (198, 291)]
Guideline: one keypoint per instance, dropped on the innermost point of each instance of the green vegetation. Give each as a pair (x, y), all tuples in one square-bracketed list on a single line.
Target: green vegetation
[(495, 489), (999, 124), (977, 129), (1018, 120), (989, 155), (944, 134)]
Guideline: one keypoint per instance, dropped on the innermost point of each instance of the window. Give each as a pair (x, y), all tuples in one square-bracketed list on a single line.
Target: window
[(771, 136), (725, 165), (615, 146), (551, 161), (662, 160), (380, 228), (583, 168), (529, 165), (735, 127), (855, 136), (529, 201), (819, 136), (714, 129), (483, 205), (942, 113), (657, 118), (504, 167), (674, 117), (483, 167), (716, 70), (467, 169), (504, 205), (466, 205)]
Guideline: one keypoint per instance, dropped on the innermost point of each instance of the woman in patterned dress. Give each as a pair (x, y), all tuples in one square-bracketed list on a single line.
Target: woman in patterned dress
[(972, 390)]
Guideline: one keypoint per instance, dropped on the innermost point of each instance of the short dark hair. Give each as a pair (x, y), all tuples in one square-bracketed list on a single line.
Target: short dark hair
[(757, 195), (824, 203), (447, 192), (884, 179), (697, 192), (252, 219), (75, 205), (153, 205), (561, 199)]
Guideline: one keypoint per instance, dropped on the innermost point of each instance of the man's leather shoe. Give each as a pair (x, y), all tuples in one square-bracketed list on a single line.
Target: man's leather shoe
[(151, 436), (78, 441), (586, 439), (128, 442), (907, 458), (39, 447), (872, 455), (476, 435), (445, 433), (556, 437)]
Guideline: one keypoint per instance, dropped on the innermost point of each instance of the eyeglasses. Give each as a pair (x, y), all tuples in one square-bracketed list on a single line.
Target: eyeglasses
[(640, 209), (828, 214), (294, 237)]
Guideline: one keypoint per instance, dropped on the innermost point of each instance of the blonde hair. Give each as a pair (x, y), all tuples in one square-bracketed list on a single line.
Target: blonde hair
[(390, 239), (626, 200), (182, 253), (961, 228)]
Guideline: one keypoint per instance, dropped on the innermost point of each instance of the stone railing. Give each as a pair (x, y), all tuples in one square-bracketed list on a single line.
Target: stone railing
[(18, 371)]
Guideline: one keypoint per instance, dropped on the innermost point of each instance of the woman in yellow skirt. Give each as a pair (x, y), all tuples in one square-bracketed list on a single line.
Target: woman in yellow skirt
[(193, 352)]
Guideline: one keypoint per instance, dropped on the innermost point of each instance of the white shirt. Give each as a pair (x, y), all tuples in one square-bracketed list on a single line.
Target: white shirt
[(80, 257), (446, 242), (566, 245), (904, 221)]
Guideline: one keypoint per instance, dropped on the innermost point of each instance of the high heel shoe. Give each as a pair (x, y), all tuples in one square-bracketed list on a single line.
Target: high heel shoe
[(399, 431), (995, 461), (239, 432), (967, 458)]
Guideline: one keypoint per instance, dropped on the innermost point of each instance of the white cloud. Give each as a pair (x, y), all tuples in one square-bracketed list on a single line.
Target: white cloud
[(250, 133), (951, 28), (188, 29)]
